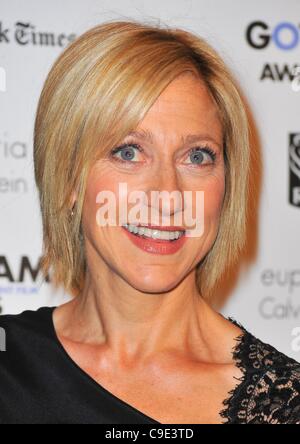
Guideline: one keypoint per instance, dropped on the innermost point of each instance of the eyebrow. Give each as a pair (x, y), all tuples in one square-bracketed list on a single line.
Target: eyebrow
[(188, 138)]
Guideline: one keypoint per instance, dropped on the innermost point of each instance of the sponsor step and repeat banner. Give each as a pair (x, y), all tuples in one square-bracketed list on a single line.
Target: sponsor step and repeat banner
[(260, 41)]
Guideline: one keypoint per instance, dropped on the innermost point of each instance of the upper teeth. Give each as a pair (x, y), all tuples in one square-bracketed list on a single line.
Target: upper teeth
[(155, 233)]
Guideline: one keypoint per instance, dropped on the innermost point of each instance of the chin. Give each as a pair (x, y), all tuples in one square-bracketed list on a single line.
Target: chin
[(154, 284)]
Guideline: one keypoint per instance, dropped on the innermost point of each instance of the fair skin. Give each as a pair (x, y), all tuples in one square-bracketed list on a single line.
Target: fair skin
[(140, 328)]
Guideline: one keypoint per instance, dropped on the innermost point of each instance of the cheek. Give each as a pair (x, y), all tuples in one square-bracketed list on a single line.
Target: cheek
[(102, 179), (214, 191), (98, 181), (108, 182)]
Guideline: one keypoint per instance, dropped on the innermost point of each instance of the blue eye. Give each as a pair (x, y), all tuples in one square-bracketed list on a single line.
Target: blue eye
[(199, 155), (126, 151)]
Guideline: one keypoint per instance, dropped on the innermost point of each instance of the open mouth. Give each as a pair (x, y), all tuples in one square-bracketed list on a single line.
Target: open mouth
[(159, 235)]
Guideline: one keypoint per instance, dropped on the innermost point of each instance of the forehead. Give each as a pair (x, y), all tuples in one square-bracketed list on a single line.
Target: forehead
[(185, 105)]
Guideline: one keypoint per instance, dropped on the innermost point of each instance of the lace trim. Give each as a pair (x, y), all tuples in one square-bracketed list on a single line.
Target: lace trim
[(269, 389), (245, 357)]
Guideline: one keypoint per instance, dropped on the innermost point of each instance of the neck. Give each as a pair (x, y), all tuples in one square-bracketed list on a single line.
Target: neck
[(135, 326), (131, 326)]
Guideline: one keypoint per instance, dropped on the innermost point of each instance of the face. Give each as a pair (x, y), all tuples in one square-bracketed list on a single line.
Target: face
[(167, 161)]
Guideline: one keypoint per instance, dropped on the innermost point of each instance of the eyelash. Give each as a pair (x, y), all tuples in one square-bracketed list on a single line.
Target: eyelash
[(204, 148)]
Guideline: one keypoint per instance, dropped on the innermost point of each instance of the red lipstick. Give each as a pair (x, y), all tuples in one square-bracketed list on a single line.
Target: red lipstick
[(157, 246)]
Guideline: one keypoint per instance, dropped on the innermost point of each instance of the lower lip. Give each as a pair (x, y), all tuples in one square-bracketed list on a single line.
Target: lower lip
[(156, 246)]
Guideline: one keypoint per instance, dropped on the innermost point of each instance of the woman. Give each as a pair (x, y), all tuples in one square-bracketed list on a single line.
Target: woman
[(155, 109)]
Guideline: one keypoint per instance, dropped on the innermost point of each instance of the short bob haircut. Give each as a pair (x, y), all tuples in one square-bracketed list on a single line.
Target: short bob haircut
[(97, 91)]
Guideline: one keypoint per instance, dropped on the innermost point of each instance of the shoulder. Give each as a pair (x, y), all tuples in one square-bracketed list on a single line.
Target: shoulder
[(28, 351), (24, 330), (270, 392), (278, 388), (28, 319), (31, 366)]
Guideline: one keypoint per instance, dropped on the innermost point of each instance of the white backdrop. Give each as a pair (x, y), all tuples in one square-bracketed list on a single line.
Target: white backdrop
[(264, 294)]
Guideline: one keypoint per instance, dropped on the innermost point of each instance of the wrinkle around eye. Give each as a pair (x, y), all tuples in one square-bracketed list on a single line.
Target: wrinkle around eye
[(211, 160)]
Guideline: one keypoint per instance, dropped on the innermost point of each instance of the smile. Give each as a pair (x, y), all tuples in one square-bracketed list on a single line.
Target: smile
[(154, 240), (166, 235)]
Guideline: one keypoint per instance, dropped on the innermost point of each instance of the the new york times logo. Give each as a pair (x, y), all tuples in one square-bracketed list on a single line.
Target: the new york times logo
[(25, 34), (294, 166)]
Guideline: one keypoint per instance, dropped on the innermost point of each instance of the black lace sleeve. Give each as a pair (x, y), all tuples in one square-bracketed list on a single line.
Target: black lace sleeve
[(269, 390)]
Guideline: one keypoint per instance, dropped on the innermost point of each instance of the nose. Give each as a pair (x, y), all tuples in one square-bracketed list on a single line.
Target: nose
[(167, 200)]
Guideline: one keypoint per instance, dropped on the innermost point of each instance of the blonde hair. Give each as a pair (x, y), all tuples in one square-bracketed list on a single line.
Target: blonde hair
[(97, 91)]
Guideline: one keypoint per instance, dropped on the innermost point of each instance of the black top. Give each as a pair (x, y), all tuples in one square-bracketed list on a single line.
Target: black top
[(41, 384)]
